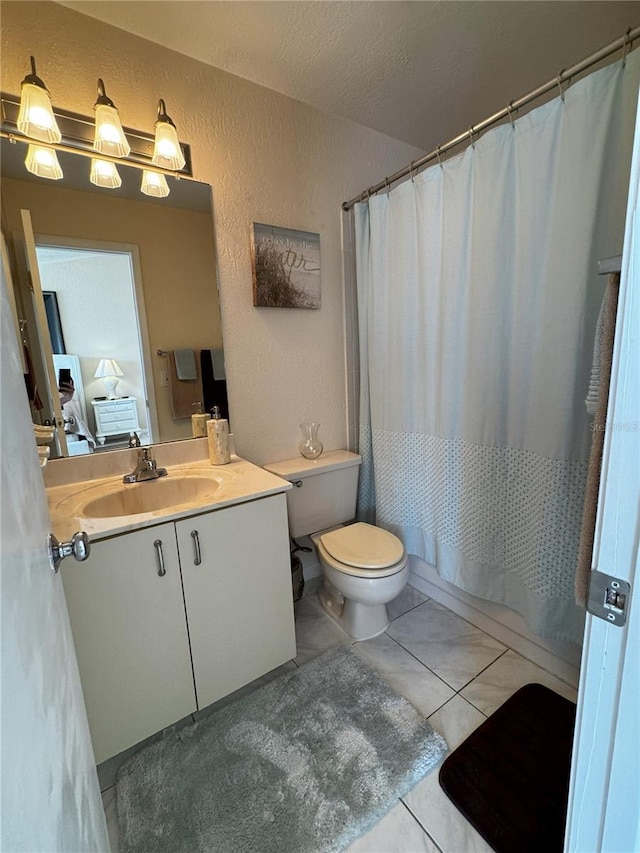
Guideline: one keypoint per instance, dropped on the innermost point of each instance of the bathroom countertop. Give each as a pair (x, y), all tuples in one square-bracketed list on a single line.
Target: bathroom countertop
[(239, 481)]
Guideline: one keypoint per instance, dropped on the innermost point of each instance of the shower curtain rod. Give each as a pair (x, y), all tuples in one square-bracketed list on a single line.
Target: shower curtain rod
[(621, 43)]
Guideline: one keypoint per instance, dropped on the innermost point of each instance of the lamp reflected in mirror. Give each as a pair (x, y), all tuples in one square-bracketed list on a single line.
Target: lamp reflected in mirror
[(109, 371)]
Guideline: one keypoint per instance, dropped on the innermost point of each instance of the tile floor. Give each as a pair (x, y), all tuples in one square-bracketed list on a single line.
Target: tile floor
[(455, 675)]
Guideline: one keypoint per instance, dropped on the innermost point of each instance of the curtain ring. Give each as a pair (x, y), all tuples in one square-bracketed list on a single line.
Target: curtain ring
[(626, 42), (473, 145), (387, 185), (510, 111), (559, 82), (411, 171), (438, 148)]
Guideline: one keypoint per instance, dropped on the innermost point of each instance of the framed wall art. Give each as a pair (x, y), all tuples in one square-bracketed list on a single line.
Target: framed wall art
[(286, 267)]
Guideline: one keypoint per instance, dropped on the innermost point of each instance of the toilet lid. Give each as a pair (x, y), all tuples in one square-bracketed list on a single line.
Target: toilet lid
[(363, 546)]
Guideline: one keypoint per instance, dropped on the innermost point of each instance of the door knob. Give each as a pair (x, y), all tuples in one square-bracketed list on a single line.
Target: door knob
[(78, 546)]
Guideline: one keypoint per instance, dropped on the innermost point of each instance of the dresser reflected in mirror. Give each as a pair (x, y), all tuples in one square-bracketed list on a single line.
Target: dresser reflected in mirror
[(129, 290)]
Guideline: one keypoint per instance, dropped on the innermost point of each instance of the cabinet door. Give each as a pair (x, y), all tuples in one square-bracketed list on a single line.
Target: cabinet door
[(239, 601), (130, 634)]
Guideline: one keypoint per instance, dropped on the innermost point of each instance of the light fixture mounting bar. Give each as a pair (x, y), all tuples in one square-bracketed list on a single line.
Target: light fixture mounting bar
[(78, 135)]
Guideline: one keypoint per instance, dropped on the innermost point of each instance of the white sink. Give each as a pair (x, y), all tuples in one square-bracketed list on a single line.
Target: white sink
[(165, 493)]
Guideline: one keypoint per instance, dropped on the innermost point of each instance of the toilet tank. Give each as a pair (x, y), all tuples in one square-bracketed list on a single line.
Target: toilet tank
[(325, 490)]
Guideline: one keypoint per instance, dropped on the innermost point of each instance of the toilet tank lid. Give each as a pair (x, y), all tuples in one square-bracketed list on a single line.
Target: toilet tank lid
[(298, 468), (363, 546)]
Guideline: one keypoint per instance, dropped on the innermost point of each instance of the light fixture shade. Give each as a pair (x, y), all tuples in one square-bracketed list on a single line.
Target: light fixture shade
[(43, 162), (107, 367), (109, 138), (166, 151), (105, 174), (154, 184), (35, 116)]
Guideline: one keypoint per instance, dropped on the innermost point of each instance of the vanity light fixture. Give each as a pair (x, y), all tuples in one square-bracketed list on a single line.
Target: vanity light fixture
[(43, 162), (109, 138), (35, 118), (154, 184), (108, 370), (166, 151), (104, 174)]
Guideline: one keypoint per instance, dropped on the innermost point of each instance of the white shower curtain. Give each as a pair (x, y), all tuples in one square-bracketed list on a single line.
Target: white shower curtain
[(477, 298)]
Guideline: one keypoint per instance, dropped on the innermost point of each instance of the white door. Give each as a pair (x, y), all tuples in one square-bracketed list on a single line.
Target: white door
[(50, 798), (604, 798)]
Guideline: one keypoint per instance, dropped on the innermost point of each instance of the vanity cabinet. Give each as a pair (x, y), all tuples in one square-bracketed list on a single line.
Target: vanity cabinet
[(237, 590), (153, 648), (131, 640)]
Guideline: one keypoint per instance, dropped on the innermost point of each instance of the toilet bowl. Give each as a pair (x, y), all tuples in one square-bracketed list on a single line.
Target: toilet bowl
[(363, 569)]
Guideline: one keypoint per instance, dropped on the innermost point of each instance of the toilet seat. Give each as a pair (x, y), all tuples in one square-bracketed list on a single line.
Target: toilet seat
[(363, 550)]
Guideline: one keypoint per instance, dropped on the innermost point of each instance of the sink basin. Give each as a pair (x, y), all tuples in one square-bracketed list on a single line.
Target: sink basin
[(153, 495)]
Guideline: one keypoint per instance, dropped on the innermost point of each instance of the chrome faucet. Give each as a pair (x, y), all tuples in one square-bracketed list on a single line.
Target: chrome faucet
[(146, 469)]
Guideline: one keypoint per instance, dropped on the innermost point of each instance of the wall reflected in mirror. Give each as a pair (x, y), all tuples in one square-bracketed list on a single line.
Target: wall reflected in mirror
[(126, 276)]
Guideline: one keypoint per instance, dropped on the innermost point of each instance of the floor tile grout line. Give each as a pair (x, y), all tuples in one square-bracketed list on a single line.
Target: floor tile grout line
[(484, 669), (411, 609), (419, 822), (422, 663)]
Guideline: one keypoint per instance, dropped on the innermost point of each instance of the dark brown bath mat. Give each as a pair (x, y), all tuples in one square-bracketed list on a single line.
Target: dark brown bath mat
[(510, 778)]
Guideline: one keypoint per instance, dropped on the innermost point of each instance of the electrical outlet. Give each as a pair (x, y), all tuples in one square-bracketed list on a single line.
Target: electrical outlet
[(164, 378)]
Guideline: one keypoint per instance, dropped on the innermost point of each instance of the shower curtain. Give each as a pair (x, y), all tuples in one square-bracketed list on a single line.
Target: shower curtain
[(477, 295)]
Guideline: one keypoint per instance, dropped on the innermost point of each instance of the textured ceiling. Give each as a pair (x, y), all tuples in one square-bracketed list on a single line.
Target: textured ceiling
[(418, 71)]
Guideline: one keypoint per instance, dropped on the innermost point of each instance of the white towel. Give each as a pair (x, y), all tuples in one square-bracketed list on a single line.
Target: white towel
[(591, 402), (75, 423)]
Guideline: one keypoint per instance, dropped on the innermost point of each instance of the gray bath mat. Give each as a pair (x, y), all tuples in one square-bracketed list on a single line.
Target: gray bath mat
[(307, 763)]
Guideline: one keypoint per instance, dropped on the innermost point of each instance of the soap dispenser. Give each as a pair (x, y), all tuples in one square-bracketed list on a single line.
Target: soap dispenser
[(199, 422), (218, 438)]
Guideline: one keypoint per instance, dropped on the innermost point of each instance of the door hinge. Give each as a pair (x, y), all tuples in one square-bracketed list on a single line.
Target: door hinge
[(608, 598), (30, 280)]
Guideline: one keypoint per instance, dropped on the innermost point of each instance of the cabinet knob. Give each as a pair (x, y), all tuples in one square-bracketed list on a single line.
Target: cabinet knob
[(161, 569), (78, 546)]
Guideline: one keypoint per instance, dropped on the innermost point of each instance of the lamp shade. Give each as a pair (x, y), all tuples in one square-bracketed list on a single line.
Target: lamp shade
[(109, 136), (107, 367), (154, 184), (104, 174), (35, 116), (166, 150), (43, 162)]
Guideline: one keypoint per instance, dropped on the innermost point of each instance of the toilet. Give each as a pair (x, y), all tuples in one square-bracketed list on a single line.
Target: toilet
[(363, 567)]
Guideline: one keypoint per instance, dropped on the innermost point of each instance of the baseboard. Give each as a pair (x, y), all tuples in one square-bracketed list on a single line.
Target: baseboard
[(562, 659)]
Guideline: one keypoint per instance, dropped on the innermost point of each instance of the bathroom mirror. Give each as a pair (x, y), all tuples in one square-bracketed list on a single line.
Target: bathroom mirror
[(128, 278)]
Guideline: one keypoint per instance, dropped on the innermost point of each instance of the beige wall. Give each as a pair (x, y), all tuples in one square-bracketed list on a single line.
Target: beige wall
[(177, 262), (269, 159)]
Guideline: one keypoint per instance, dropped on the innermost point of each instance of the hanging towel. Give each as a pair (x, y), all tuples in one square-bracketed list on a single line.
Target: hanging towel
[(74, 423), (217, 359), (186, 370), (591, 402), (184, 393), (604, 346), (214, 390)]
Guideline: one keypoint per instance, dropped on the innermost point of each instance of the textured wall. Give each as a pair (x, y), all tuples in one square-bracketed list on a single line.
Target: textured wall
[(269, 159)]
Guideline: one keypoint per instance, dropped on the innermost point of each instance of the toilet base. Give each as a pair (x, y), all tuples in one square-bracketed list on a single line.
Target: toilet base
[(359, 621)]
